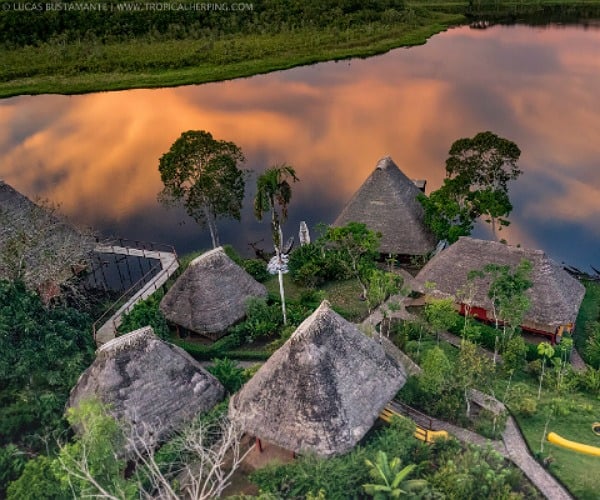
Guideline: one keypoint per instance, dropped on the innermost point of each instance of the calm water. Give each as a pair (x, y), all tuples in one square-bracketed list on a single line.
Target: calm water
[(97, 154)]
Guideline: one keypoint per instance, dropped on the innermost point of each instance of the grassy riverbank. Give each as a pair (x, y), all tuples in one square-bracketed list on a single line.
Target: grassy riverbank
[(77, 52), (79, 68)]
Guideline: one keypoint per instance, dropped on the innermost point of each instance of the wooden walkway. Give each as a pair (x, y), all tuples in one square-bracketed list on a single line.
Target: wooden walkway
[(169, 265)]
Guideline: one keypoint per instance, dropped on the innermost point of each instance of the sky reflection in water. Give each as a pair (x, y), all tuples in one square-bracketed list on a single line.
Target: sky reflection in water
[(97, 154)]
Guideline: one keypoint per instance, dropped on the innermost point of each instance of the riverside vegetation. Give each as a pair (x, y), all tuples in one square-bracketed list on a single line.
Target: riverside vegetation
[(75, 51)]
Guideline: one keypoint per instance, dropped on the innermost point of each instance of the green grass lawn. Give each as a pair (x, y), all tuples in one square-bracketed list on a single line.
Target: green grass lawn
[(578, 472), (344, 296)]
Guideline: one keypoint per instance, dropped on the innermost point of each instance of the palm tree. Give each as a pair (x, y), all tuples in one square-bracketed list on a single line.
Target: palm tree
[(273, 194), (390, 479)]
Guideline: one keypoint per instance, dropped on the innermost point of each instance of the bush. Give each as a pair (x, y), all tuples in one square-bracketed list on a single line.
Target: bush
[(12, 463), (146, 313), (228, 373), (257, 269), (526, 406)]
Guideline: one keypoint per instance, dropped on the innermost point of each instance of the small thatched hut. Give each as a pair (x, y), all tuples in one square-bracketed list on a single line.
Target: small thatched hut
[(148, 383), (211, 295), (387, 203), (322, 390), (555, 295)]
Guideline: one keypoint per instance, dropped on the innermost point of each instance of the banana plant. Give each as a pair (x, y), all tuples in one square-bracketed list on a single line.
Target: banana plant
[(390, 478)]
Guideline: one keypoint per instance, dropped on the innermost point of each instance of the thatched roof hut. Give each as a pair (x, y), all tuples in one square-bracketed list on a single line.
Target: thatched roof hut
[(148, 383), (48, 244), (387, 203), (211, 295), (322, 390), (555, 295)]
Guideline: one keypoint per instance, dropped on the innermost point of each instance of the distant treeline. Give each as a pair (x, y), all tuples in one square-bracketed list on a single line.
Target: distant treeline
[(32, 23)]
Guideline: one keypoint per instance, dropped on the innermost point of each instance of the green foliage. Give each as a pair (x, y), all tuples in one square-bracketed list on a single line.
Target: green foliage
[(273, 194), (257, 269), (390, 480), (478, 170), (338, 477), (99, 437), (437, 371), (12, 463), (262, 319), (228, 373), (42, 353), (38, 481), (477, 473), (450, 469), (146, 313), (441, 314), (203, 175), (315, 263), (513, 356)]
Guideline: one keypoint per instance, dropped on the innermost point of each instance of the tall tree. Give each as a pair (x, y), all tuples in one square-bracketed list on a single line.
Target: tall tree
[(273, 194), (478, 171), (508, 293), (204, 175)]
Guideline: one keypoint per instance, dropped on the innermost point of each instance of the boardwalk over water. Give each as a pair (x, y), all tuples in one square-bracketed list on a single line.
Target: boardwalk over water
[(169, 265)]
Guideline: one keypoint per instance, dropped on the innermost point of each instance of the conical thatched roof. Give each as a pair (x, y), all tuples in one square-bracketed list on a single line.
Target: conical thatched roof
[(322, 390), (387, 203), (211, 295), (555, 295), (148, 383)]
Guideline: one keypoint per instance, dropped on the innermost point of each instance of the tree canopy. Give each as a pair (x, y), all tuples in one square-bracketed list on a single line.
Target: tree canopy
[(478, 171), (42, 352), (203, 174)]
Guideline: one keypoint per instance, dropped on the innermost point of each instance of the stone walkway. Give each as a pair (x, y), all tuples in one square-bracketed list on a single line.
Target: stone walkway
[(512, 446)]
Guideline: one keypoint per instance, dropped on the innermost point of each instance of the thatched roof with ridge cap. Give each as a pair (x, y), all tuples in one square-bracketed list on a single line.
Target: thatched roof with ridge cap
[(555, 295), (148, 383), (322, 390), (211, 295), (387, 202)]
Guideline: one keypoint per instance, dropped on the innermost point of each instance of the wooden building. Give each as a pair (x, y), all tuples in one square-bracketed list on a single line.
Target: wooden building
[(555, 295)]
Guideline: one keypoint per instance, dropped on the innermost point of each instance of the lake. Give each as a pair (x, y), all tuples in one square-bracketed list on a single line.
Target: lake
[(97, 154)]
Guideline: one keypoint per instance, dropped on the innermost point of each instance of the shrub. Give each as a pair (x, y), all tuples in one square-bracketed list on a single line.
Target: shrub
[(228, 373), (526, 406), (12, 463), (146, 313), (257, 269)]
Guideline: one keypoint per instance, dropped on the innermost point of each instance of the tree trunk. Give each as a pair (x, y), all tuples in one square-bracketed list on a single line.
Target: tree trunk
[(282, 294), (212, 227), (541, 378), (468, 402), (494, 228)]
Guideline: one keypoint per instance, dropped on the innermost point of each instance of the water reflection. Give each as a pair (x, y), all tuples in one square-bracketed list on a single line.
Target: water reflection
[(97, 154)]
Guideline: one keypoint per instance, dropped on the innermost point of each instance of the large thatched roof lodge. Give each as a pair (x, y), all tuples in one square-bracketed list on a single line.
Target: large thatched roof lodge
[(555, 295), (321, 391), (387, 202), (148, 383), (211, 295)]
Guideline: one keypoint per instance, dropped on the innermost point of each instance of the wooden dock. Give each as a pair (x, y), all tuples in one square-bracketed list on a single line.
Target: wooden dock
[(169, 265)]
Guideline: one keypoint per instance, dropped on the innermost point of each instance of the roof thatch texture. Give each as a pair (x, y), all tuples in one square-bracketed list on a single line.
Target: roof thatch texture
[(555, 295), (148, 384), (47, 245), (322, 390), (387, 203), (211, 295)]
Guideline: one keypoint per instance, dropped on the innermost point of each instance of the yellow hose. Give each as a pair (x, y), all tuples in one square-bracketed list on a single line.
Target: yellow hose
[(573, 445)]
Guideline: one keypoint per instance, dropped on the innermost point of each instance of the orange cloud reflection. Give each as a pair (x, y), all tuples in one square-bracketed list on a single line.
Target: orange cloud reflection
[(98, 154)]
